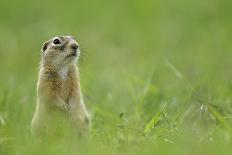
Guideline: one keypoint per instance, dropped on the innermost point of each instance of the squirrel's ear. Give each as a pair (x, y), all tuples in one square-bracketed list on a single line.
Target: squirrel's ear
[(45, 46)]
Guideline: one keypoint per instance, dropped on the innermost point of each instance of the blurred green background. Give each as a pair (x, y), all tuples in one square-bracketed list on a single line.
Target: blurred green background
[(155, 74)]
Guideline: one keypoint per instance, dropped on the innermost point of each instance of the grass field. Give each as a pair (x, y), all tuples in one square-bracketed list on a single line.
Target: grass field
[(155, 74)]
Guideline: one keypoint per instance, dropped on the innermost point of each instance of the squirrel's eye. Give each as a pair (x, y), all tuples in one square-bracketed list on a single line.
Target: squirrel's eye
[(56, 41)]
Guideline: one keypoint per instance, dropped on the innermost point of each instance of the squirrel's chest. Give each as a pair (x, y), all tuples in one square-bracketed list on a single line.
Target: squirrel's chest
[(65, 90)]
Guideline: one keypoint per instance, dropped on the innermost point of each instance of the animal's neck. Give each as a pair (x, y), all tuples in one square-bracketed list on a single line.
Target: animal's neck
[(51, 71), (63, 72)]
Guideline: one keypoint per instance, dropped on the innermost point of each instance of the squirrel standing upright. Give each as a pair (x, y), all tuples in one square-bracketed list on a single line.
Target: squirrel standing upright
[(58, 88)]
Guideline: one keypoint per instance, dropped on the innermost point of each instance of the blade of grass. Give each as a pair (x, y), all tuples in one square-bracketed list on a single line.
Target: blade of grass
[(219, 117), (155, 119)]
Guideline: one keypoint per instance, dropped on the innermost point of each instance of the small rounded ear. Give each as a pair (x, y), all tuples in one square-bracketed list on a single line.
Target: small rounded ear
[(45, 46)]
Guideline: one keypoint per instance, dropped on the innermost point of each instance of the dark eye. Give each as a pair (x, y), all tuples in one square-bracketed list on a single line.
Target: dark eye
[(56, 41)]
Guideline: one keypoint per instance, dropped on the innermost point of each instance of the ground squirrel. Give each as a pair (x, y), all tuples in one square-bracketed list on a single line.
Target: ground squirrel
[(59, 95)]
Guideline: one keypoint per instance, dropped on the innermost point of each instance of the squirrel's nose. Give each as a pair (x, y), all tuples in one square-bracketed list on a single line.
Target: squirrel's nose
[(74, 46)]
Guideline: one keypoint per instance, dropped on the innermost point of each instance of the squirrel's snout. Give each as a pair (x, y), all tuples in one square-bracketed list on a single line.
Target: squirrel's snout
[(74, 46)]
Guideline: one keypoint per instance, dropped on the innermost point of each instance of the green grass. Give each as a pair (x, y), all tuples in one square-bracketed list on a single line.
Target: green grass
[(155, 74)]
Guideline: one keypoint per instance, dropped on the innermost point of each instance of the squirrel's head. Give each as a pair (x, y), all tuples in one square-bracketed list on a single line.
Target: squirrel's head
[(60, 51)]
